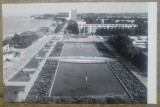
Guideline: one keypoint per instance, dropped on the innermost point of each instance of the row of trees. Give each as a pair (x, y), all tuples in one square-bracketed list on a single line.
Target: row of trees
[(112, 20), (142, 28), (112, 15), (22, 40), (123, 44), (92, 20), (84, 30), (115, 31)]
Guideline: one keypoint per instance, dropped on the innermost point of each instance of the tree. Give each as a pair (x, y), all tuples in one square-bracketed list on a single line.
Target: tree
[(24, 39), (120, 43), (132, 52), (73, 27), (90, 20), (84, 30)]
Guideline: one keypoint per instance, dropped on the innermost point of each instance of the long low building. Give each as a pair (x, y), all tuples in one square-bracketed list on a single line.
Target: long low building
[(91, 28)]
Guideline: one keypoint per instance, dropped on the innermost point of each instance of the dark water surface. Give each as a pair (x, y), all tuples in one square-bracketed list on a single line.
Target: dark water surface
[(71, 81), (80, 49)]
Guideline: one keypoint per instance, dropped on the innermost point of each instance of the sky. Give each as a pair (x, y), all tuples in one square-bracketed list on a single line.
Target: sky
[(98, 7)]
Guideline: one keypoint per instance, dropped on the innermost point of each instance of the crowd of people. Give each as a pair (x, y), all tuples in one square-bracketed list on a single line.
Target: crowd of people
[(57, 49), (103, 50), (131, 82), (43, 83)]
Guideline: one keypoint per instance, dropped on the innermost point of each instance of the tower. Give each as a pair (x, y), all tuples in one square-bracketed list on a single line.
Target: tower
[(73, 14)]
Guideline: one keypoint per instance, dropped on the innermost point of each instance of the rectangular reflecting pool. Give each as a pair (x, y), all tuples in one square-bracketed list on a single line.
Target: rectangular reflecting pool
[(80, 49), (71, 81)]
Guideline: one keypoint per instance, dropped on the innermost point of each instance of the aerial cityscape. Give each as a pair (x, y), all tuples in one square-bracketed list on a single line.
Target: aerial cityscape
[(76, 57)]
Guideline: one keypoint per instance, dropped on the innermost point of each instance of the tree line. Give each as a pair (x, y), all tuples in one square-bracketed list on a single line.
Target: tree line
[(72, 27), (22, 40), (123, 44)]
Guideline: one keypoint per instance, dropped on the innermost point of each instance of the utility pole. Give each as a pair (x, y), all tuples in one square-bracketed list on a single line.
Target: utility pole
[(86, 88), (86, 81)]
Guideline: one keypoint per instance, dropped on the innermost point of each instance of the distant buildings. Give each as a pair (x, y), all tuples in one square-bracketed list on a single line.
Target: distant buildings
[(129, 21), (73, 14), (140, 41), (91, 28), (123, 23)]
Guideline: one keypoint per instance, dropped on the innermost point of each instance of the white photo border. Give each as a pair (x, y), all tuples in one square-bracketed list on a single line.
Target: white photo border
[(152, 53)]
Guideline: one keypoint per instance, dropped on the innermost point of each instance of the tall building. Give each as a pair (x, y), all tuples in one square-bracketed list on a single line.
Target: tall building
[(73, 14)]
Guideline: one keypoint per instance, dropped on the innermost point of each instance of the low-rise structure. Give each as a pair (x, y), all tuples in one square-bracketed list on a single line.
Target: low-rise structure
[(8, 55), (6, 48), (140, 41)]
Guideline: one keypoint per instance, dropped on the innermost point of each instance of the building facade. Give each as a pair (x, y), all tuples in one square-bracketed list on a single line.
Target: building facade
[(91, 28)]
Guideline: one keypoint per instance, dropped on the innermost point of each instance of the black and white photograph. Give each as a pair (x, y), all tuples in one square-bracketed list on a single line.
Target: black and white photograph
[(77, 53)]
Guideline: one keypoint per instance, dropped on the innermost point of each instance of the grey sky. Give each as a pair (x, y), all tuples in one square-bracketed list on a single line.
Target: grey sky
[(103, 7)]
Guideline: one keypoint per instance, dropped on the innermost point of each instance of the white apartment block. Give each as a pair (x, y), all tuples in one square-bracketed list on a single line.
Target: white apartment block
[(91, 28)]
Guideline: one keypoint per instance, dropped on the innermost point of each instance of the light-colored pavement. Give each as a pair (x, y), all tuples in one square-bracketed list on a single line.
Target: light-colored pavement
[(11, 83), (91, 38), (22, 95), (13, 67), (82, 59)]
